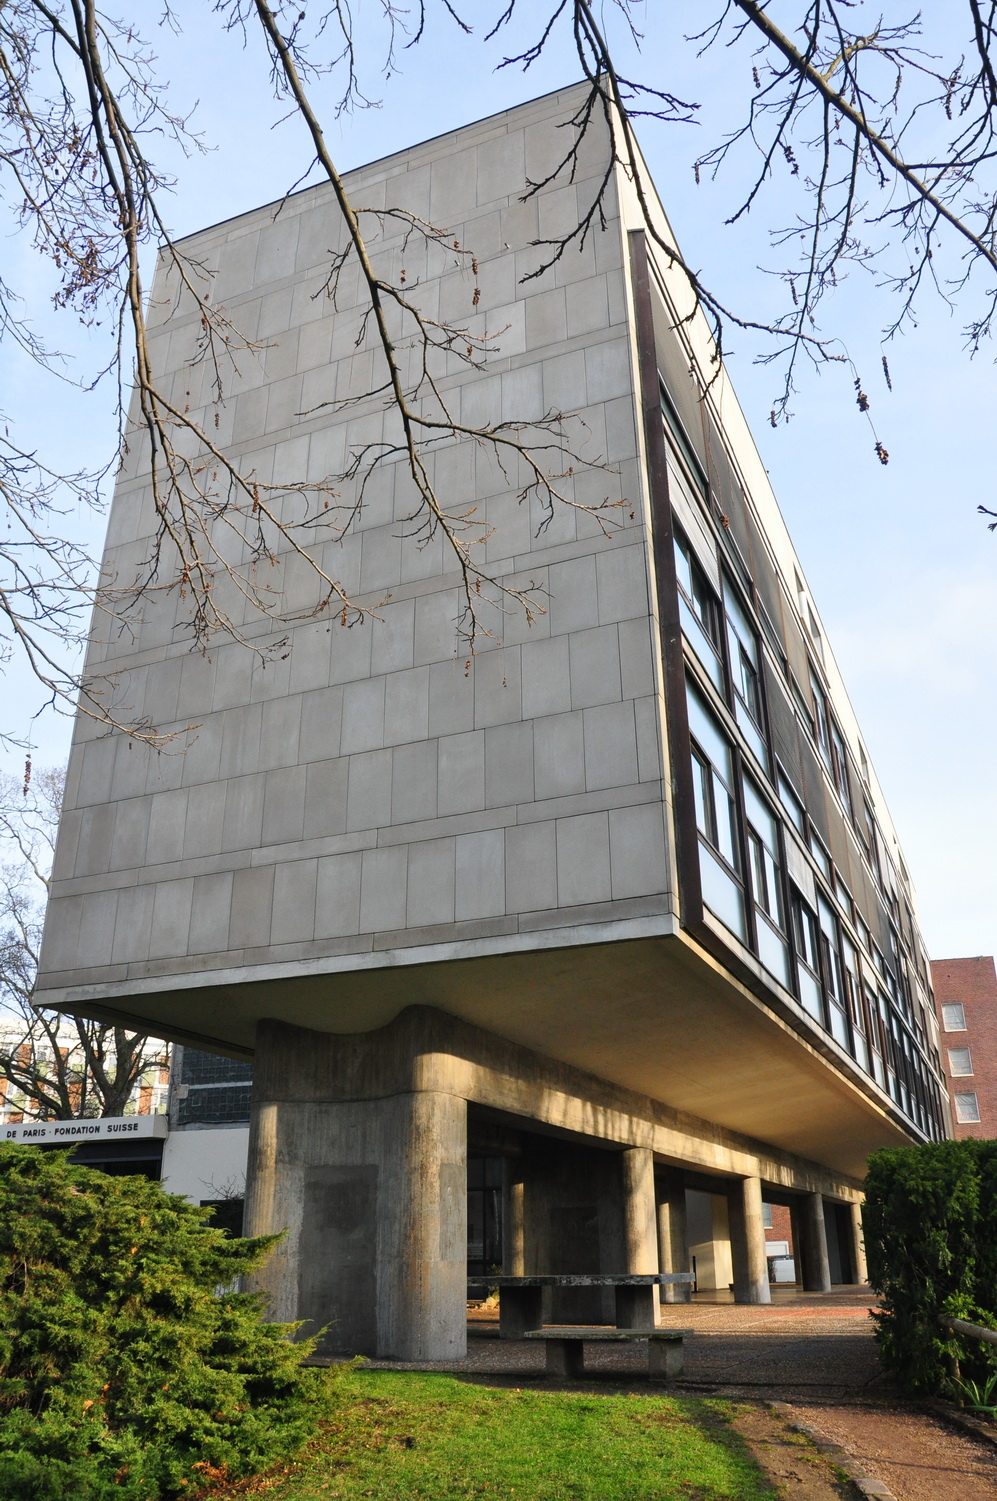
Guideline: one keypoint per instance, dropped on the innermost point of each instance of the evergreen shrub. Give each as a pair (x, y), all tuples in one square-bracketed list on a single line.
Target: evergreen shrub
[(126, 1370), (930, 1220)]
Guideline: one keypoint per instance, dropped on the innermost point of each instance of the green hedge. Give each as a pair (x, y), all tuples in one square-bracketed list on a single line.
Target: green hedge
[(930, 1222), (125, 1371)]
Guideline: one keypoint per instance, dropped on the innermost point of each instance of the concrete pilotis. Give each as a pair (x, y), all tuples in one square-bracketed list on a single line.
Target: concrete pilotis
[(640, 1229), (860, 1269), (372, 1193), (813, 1235), (513, 1218), (422, 1261), (747, 1242), (673, 1241)]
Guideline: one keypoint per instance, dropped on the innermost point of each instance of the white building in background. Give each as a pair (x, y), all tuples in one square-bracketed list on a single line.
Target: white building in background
[(149, 1097), (609, 923)]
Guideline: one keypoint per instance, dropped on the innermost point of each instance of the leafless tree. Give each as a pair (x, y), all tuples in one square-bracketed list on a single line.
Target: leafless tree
[(874, 153), (54, 1067)]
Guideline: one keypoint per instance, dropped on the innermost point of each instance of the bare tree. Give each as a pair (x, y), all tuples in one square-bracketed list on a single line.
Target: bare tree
[(54, 1067), (877, 155)]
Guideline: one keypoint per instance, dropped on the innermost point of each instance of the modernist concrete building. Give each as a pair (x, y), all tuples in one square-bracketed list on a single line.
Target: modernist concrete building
[(615, 905)]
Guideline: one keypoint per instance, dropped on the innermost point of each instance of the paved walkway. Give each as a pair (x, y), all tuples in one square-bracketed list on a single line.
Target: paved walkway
[(805, 1345)]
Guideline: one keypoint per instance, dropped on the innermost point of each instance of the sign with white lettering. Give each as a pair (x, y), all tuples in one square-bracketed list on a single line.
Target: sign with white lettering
[(71, 1133)]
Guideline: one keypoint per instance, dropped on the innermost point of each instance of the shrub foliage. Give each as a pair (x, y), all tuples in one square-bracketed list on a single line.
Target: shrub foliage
[(930, 1222), (125, 1370)]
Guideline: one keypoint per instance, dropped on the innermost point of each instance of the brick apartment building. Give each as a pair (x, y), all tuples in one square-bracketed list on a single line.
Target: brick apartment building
[(966, 1003)]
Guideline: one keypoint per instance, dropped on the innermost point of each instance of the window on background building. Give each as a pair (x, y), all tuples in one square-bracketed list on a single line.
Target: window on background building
[(954, 1017), (967, 1108), (766, 883), (766, 1216), (699, 611), (960, 1062), (716, 817), (742, 644)]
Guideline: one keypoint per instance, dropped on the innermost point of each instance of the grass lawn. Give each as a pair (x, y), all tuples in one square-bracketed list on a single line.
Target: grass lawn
[(394, 1434)]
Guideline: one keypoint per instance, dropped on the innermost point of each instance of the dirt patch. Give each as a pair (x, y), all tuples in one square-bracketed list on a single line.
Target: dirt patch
[(795, 1466), (919, 1457)]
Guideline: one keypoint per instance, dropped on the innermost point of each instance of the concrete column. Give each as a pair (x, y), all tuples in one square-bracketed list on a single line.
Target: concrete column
[(368, 1178), (673, 1240), (813, 1248), (859, 1264), (640, 1221), (747, 1242), (422, 1230), (513, 1218), (796, 1231), (639, 1306)]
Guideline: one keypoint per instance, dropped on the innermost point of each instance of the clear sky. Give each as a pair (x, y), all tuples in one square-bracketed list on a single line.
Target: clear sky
[(899, 562)]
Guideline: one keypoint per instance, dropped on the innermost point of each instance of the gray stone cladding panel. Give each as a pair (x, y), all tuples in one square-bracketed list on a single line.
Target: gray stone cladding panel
[(380, 777)]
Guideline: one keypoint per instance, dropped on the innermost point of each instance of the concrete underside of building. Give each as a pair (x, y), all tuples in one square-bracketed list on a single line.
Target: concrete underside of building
[(359, 1148), (455, 904)]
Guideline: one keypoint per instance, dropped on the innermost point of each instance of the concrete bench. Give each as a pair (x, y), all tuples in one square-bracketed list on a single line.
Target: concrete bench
[(565, 1347), (521, 1298)]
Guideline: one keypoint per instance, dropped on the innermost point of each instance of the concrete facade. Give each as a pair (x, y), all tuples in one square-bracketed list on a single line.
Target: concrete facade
[(618, 894)]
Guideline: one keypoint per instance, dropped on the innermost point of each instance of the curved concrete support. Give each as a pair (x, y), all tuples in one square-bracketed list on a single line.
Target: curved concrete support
[(372, 1195)]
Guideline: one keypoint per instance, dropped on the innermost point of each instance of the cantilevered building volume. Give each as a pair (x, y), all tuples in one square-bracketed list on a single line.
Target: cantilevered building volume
[(614, 911)]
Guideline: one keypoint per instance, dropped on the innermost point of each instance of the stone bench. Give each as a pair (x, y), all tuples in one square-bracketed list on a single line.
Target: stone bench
[(565, 1347), (521, 1297)]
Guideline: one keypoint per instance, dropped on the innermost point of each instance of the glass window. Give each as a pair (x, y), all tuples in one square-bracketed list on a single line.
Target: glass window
[(874, 1034), (856, 1007), (844, 897), (716, 817), (839, 766), (742, 644), (967, 1108), (807, 962), (766, 882), (790, 801), (822, 720), (804, 713), (954, 1017), (678, 439), (834, 979), (699, 611), (960, 1062), (821, 854)]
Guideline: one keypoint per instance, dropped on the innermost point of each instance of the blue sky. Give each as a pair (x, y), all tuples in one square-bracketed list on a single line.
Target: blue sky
[(899, 562)]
